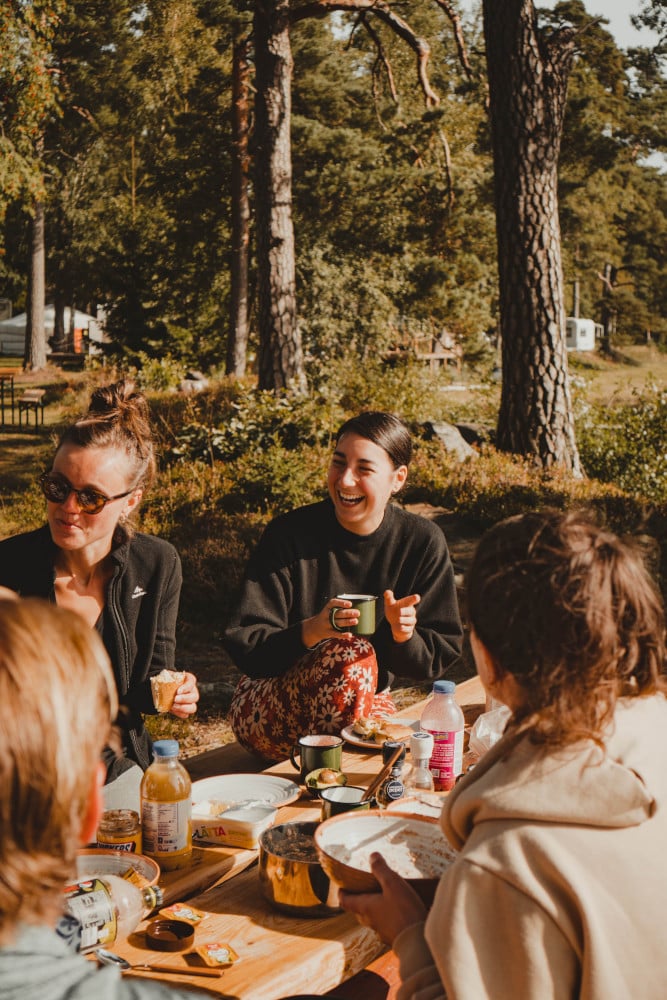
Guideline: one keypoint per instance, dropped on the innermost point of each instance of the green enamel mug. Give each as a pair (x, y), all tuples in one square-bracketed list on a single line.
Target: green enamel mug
[(365, 605)]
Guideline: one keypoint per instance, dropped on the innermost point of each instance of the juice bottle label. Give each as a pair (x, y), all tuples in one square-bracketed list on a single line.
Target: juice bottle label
[(447, 759), (91, 905), (166, 826)]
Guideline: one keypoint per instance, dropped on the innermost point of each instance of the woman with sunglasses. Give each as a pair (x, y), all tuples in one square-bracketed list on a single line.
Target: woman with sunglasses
[(87, 558)]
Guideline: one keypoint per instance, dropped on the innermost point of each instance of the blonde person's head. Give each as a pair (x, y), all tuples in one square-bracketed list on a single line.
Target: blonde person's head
[(57, 698)]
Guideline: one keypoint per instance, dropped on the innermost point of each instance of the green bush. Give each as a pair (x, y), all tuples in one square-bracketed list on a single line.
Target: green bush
[(627, 445), (241, 420), (251, 421), (158, 374), (273, 479)]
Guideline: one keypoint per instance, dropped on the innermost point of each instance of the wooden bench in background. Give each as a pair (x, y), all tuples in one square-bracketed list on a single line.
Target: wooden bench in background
[(32, 399), (7, 398)]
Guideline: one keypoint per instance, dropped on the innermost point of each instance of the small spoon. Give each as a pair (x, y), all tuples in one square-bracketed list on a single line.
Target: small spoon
[(110, 958)]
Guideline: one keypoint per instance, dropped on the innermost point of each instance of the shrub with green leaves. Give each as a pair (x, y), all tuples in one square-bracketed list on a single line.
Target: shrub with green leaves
[(254, 421), (275, 479), (627, 445), (158, 374)]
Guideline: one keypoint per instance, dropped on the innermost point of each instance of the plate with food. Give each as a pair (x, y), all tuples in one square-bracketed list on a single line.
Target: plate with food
[(214, 796), (370, 731)]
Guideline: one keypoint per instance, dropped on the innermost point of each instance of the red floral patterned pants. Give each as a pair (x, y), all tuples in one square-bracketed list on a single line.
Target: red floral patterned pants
[(325, 691)]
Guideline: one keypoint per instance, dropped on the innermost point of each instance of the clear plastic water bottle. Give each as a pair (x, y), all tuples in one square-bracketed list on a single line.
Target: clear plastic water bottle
[(419, 777), (166, 808), (443, 719), (103, 908)]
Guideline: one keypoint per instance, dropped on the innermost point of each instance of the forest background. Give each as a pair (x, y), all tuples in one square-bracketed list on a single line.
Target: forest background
[(125, 140), (131, 160)]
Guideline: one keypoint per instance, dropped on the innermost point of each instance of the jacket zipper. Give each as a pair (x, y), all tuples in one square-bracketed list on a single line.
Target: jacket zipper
[(125, 666)]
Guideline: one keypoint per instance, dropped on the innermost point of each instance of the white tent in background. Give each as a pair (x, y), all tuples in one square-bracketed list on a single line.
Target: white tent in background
[(12, 332)]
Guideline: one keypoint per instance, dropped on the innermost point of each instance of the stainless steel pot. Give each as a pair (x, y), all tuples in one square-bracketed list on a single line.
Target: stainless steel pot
[(290, 875)]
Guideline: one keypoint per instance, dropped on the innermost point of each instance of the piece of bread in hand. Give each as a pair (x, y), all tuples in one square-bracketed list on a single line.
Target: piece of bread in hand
[(164, 687)]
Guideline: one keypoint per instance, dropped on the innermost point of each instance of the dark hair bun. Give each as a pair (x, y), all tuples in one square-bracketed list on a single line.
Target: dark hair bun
[(118, 398)]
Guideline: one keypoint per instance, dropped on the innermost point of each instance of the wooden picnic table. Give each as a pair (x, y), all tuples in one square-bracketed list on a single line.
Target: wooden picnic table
[(280, 955)]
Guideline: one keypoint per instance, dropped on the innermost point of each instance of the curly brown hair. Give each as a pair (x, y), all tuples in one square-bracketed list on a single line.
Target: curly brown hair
[(570, 610)]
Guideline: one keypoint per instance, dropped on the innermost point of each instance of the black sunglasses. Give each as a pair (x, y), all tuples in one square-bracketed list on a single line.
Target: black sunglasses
[(57, 489)]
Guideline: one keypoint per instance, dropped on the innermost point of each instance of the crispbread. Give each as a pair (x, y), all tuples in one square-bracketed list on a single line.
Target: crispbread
[(396, 731), (377, 730), (164, 687)]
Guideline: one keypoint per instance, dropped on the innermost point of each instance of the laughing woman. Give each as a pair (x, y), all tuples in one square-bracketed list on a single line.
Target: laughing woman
[(300, 674), (87, 558)]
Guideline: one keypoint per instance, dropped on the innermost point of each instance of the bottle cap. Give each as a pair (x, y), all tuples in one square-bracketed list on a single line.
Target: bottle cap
[(421, 745), (154, 894), (444, 687), (170, 935), (388, 748), (165, 748)]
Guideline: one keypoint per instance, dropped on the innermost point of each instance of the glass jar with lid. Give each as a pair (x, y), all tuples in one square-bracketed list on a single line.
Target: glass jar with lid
[(120, 830)]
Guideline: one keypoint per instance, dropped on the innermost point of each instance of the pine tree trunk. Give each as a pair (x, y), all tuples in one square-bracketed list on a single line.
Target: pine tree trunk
[(527, 89), (35, 335), (237, 342), (280, 353), (59, 341)]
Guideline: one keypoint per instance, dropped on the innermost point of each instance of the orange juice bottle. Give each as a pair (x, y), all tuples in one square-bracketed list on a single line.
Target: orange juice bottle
[(166, 808)]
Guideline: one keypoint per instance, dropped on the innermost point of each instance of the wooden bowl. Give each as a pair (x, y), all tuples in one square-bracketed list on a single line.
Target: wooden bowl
[(414, 846)]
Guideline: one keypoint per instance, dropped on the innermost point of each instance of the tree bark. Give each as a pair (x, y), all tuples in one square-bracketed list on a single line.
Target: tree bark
[(59, 339), (608, 314), (237, 342), (528, 77), (280, 352), (34, 357)]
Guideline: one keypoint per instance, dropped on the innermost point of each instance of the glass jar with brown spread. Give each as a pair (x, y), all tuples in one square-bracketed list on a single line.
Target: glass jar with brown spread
[(120, 830)]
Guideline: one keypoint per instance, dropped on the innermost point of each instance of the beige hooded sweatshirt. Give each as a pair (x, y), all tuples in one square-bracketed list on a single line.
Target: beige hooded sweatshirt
[(560, 887)]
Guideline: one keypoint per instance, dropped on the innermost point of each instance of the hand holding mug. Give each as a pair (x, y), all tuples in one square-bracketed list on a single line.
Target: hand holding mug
[(353, 613), (344, 615), (401, 615)]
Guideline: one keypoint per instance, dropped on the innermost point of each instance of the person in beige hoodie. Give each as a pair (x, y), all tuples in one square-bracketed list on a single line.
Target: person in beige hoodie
[(559, 889)]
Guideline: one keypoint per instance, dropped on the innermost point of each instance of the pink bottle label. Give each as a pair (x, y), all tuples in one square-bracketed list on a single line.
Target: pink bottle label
[(446, 761)]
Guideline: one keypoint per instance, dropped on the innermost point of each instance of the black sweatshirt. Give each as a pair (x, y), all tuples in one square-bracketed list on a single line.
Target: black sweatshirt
[(306, 557)]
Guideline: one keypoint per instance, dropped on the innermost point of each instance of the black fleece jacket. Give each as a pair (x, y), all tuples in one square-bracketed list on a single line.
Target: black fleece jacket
[(306, 557), (137, 624)]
